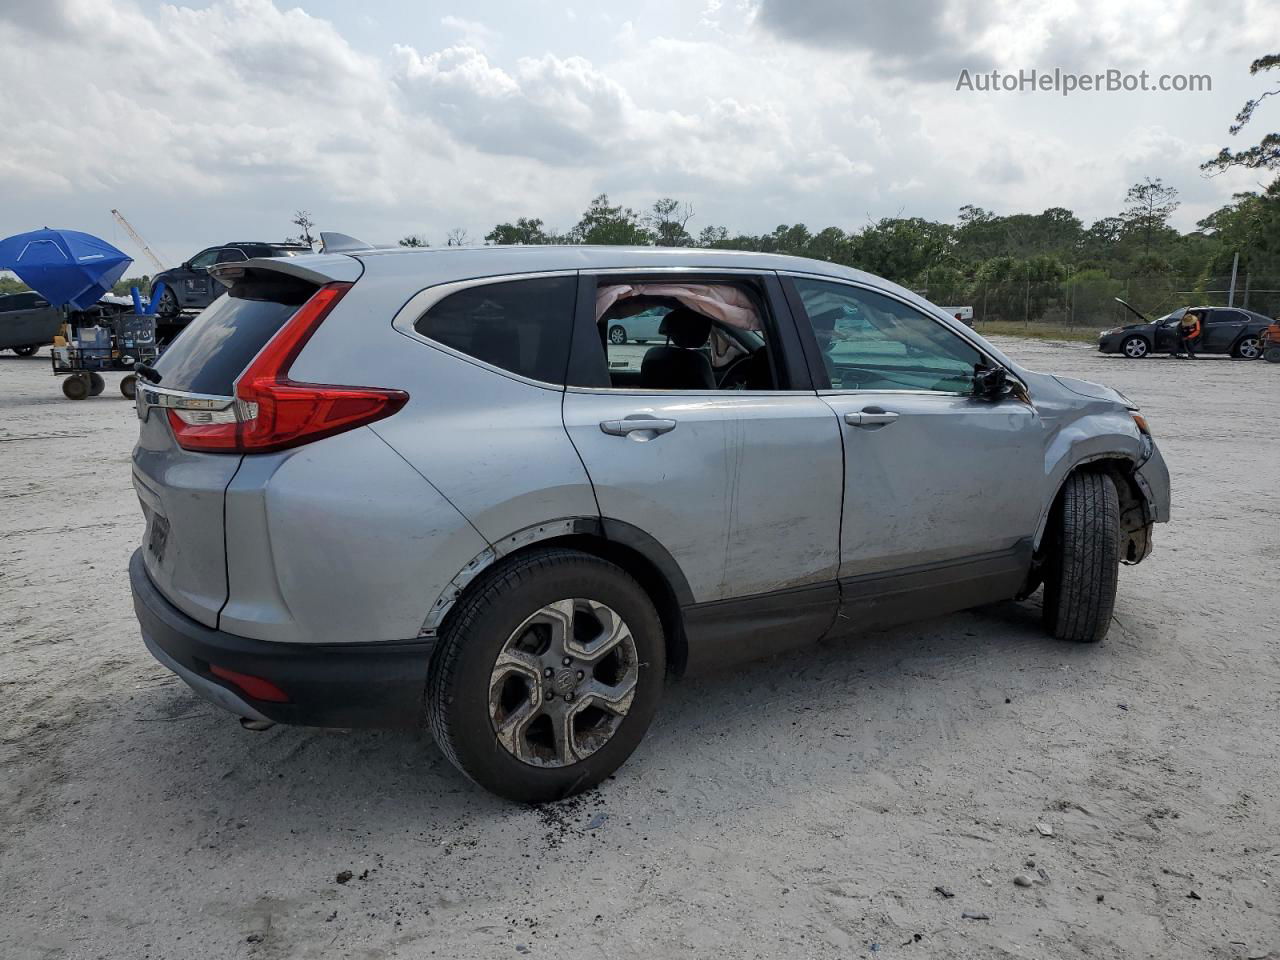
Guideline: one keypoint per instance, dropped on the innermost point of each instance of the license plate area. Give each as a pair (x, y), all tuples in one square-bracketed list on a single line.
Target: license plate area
[(159, 535)]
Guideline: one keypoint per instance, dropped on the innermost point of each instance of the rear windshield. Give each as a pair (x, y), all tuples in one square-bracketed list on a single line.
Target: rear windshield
[(216, 346)]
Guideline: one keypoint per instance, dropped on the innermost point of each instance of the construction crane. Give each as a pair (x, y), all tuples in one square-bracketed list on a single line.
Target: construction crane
[(142, 244)]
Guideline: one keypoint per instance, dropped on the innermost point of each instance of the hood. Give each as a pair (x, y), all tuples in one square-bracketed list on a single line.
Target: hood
[(1094, 391), (1136, 312)]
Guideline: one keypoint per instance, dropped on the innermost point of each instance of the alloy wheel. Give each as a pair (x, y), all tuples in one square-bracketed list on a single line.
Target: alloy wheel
[(563, 683), (1249, 348), (1135, 347)]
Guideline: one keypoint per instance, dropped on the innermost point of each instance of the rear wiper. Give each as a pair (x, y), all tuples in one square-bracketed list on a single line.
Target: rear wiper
[(147, 372)]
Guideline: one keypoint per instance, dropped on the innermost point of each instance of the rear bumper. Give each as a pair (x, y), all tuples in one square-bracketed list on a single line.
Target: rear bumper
[(331, 685)]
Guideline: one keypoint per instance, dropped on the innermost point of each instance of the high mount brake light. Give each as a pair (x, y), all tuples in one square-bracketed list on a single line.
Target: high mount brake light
[(273, 412)]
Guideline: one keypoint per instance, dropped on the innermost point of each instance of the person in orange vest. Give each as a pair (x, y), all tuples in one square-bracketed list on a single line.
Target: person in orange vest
[(1188, 334)]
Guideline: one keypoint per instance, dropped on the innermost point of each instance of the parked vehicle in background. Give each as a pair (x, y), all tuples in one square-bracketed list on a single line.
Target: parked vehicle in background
[(190, 287), (27, 322), (641, 328), (963, 314), (1271, 342), (1230, 330), (401, 487)]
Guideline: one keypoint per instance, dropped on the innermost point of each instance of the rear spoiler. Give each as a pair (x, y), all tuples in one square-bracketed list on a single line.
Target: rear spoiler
[(317, 268)]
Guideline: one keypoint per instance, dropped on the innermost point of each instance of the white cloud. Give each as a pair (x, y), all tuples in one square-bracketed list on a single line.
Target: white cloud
[(246, 110), (473, 32)]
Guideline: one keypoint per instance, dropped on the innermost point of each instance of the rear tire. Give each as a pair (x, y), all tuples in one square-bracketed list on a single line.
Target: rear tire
[(1249, 348), (1271, 355), (129, 386), (1135, 348), (27, 351), (96, 384), (470, 696), (1084, 559)]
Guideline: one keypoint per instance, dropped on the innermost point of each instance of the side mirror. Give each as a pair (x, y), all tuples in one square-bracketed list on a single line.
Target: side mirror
[(991, 383)]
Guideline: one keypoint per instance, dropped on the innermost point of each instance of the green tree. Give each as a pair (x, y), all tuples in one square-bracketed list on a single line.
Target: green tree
[(1090, 295), (1149, 205), (121, 289), (903, 249), (602, 223), (526, 230), (302, 220), (668, 220), (713, 237), (413, 240), (1266, 154)]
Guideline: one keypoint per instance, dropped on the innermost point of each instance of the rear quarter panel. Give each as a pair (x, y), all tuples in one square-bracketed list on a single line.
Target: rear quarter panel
[(494, 446), (339, 541)]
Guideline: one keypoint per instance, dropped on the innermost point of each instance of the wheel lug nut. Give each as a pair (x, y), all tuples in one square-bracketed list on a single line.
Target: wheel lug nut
[(550, 695), (547, 672), (568, 696), (581, 674), (566, 661)]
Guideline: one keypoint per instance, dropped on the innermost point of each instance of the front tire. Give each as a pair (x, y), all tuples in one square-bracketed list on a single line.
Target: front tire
[(1249, 348), (1084, 559), (27, 351), (1135, 348), (169, 308), (1271, 355), (547, 675), (617, 335)]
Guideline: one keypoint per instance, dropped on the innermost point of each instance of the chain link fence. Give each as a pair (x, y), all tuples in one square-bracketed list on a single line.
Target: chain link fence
[(1088, 300)]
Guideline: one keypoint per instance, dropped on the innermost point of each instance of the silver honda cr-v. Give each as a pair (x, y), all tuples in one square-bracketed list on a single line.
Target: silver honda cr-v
[(392, 488)]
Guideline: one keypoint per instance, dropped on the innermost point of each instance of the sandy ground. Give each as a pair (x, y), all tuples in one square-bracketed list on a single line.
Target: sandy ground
[(808, 806)]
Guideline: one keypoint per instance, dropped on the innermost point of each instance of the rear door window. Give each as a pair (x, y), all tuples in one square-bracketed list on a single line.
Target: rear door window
[(521, 326), (216, 346)]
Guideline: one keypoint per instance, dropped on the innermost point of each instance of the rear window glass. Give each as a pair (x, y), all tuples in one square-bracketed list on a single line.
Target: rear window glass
[(519, 325), (216, 346)]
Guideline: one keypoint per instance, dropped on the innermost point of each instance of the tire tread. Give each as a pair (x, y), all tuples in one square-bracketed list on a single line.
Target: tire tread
[(1080, 600), (496, 582)]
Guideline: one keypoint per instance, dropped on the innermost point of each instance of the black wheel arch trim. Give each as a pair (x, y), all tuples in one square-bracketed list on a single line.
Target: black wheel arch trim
[(1138, 525), (564, 530)]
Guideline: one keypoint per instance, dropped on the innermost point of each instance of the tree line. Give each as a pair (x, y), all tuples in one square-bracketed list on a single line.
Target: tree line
[(1010, 266), (1015, 266)]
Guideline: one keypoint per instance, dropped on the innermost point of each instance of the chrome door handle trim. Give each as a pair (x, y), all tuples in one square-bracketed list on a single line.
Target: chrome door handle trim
[(620, 428), (866, 418)]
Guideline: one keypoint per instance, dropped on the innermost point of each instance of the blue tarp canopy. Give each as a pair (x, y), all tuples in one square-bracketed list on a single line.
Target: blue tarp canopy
[(64, 266)]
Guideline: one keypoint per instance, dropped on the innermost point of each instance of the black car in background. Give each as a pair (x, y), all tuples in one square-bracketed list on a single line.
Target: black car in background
[(27, 322), (1222, 330), (189, 287)]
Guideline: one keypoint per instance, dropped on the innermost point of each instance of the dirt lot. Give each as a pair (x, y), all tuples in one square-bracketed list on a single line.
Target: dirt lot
[(809, 806)]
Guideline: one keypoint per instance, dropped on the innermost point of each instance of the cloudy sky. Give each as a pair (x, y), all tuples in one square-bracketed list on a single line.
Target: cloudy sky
[(213, 120)]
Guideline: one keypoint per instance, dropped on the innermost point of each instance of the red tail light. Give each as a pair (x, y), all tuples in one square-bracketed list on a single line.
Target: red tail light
[(256, 688), (273, 412)]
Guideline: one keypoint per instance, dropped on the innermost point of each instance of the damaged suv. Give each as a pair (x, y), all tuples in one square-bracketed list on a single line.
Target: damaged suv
[(401, 488)]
